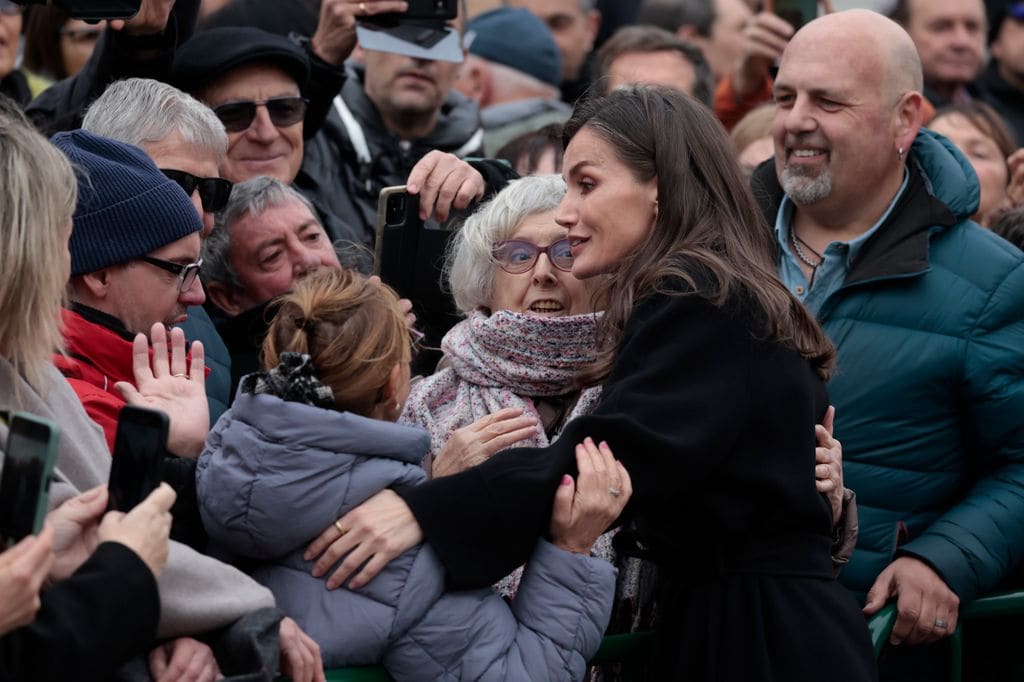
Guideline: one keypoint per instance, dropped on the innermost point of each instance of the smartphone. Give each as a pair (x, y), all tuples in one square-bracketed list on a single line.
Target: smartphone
[(796, 12), (29, 456), (409, 256), (432, 9), (139, 448), (92, 10)]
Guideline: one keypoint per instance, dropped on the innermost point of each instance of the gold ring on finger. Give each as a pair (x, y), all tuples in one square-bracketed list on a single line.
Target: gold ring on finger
[(337, 524), (179, 374), (362, 8)]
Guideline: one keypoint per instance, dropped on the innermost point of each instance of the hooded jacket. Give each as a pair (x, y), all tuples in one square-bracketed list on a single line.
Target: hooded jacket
[(929, 382), (275, 473)]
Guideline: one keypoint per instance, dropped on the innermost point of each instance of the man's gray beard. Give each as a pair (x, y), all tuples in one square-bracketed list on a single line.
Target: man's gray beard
[(806, 189)]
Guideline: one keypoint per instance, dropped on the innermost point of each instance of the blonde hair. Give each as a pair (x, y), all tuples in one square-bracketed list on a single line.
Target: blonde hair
[(352, 329), (37, 201)]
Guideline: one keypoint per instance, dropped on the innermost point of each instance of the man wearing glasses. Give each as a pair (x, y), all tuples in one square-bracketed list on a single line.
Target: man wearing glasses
[(134, 263), (187, 142)]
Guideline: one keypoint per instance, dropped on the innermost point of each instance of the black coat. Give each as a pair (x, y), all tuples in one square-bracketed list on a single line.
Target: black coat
[(89, 624), (716, 428)]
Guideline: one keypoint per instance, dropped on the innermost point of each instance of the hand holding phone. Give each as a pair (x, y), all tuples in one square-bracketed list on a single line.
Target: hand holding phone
[(29, 456), (139, 448), (145, 530)]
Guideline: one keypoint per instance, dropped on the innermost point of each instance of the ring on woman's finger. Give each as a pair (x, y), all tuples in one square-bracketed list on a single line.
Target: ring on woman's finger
[(180, 375), (614, 492), (941, 624), (362, 8), (337, 524)]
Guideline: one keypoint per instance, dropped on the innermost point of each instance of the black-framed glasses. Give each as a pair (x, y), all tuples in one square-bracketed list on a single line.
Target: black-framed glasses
[(213, 192), (9, 8), (516, 256), (187, 274), (238, 116)]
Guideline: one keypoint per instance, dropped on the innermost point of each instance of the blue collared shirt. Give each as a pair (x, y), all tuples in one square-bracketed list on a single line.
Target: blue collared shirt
[(836, 259)]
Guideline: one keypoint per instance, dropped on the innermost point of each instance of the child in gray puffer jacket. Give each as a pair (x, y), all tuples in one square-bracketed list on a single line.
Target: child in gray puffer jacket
[(314, 437)]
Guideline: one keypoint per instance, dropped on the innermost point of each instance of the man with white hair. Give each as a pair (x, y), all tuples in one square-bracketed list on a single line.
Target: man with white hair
[(872, 219)]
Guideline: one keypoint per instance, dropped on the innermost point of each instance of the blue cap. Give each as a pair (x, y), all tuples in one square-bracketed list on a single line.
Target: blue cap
[(126, 207), (519, 40)]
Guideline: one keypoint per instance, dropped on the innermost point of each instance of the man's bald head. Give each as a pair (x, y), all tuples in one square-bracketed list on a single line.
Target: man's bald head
[(872, 40)]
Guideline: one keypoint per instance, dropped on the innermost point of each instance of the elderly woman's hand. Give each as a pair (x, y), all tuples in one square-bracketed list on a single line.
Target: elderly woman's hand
[(585, 510), (828, 469), (477, 442)]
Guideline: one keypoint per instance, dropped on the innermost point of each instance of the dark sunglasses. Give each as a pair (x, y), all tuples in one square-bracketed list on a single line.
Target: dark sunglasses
[(516, 256), (187, 274), (213, 192), (238, 116)]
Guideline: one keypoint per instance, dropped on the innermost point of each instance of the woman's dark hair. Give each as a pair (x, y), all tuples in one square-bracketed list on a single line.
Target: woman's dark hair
[(525, 152), (42, 41), (706, 215)]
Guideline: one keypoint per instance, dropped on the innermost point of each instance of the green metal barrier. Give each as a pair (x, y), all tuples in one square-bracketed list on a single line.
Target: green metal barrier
[(1001, 604)]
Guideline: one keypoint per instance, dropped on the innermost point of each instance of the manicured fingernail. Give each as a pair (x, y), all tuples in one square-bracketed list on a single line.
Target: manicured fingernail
[(567, 480)]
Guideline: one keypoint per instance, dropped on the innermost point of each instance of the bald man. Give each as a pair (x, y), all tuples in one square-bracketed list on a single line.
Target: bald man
[(871, 216)]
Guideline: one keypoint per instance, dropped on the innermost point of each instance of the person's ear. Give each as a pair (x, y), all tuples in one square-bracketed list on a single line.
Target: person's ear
[(908, 118), (593, 25), (474, 81), (391, 388), (95, 285), (225, 297)]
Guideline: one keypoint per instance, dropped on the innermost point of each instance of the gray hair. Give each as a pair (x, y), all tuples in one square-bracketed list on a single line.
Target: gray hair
[(142, 111), (252, 197), (470, 263)]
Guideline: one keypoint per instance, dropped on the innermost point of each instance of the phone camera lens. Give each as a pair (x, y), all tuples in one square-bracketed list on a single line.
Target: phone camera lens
[(395, 210)]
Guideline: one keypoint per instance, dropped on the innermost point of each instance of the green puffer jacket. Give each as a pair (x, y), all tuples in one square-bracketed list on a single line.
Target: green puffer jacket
[(929, 383)]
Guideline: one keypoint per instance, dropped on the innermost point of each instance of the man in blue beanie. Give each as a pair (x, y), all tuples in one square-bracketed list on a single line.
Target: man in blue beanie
[(134, 268), (134, 263)]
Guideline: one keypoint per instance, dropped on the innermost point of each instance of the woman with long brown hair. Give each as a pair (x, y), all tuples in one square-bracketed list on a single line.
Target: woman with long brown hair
[(713, 381)]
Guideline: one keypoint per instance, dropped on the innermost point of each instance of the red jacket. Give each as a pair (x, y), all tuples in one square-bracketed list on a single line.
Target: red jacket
[(97, 358)]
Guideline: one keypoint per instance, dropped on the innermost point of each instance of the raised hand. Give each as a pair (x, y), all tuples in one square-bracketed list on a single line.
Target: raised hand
[(174, 386), (444, 181)]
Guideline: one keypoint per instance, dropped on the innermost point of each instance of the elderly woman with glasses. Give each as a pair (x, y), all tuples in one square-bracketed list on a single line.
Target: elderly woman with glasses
[(528, 335)]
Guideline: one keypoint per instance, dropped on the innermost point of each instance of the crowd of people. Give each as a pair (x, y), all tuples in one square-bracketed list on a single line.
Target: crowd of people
[(738, 358)]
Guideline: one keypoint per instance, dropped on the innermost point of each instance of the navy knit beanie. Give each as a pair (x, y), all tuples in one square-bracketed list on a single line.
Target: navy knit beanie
[(126, 207)]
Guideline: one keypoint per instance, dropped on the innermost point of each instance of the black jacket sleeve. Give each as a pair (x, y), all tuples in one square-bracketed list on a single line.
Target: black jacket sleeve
[(89, 624), (662, 412), (325, 81)]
